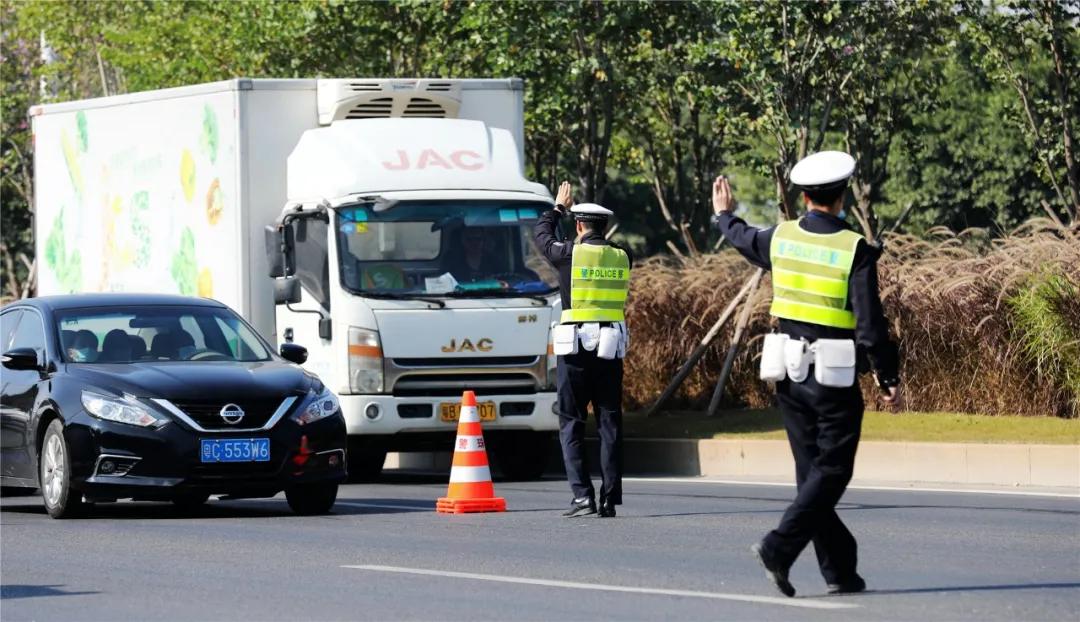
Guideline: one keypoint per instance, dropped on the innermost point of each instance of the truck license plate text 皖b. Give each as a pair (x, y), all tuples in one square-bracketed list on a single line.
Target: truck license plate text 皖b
[(450, 411)]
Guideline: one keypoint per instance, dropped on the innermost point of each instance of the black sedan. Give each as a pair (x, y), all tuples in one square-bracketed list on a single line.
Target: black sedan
[(147, 397)]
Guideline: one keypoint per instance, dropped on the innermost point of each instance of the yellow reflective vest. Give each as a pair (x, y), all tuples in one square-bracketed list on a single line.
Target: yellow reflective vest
[(599, 282), (810, 275)]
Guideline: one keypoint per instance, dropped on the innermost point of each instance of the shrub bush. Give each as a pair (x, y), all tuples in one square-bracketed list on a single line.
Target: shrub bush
[(984, 325)]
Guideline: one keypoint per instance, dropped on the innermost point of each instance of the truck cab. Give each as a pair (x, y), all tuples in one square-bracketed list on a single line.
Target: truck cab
[(404, 261)]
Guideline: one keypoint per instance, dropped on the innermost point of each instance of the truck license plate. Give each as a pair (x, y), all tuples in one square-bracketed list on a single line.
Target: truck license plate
[(235, 450), (450, 411)]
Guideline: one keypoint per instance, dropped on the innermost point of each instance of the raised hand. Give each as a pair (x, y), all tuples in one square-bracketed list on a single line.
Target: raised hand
[(565, 197), (722, 198)]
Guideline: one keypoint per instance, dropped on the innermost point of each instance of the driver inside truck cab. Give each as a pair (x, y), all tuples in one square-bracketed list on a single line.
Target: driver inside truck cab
[(474, 255)]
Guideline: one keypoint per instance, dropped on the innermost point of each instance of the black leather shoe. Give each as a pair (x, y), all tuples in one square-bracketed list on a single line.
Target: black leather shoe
[(581, 507), (775, 573), (851, 586), (607, 509)]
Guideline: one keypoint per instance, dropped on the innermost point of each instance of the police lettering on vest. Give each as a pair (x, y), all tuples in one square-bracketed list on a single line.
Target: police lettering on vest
[(810, 274), (600, 280)]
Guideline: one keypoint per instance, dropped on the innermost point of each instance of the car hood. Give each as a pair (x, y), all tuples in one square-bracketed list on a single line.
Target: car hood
[(202, 380)]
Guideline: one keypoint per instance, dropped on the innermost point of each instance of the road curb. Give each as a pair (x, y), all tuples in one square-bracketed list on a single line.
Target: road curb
[(936, 463)]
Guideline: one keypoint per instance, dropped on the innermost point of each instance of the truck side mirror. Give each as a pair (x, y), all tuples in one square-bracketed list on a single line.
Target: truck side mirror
[(324, 328), (279, 250), (287, 291)]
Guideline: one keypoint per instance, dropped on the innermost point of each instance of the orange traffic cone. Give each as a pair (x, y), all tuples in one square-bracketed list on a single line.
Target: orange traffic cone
[(470, 489)]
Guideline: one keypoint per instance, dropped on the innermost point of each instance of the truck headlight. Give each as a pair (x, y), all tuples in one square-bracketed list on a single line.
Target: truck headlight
[(322, 406), (119, 409), (365, 361)]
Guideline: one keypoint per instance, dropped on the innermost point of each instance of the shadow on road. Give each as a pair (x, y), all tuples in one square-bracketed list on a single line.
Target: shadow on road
[(237, 508), (977, 588), (32, 591)]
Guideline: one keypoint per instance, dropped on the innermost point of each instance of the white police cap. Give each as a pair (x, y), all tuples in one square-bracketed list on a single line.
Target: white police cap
[(825, 169), (591, 211)]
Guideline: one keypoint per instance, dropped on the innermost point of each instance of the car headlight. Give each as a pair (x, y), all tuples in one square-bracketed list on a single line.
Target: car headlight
[(124, 409), (365, 361), (324, 405)]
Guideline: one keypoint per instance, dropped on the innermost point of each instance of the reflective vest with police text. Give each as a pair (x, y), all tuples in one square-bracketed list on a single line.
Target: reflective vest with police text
[(810, 275), (599, 282)]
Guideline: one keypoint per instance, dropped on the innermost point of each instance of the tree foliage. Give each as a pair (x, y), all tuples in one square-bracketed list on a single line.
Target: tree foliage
[(641, 103)]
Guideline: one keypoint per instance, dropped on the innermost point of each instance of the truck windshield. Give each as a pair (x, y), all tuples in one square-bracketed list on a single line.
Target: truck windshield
[(451, 248)]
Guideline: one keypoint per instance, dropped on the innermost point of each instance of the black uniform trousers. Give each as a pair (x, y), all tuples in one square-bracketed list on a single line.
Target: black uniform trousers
[(823, 426), (585, 378)]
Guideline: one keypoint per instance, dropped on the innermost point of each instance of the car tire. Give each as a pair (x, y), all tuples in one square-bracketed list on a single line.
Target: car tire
[(189, 501), (54, 471), (365, 460), (311, 499), (521, 456)]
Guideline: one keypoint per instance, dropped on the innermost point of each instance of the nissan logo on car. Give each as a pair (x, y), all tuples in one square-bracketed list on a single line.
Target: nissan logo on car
[(232, 414)]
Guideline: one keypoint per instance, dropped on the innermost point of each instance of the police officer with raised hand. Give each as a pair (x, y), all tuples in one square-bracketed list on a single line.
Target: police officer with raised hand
[(825, 294), (590, 341)]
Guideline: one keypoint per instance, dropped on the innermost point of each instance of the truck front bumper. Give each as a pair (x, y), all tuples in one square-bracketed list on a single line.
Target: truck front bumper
[(393, 415)]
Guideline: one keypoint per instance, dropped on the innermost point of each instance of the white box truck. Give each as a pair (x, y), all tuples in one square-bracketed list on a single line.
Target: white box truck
[(383, 224)]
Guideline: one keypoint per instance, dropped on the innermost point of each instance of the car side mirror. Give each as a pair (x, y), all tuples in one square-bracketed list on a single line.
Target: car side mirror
[(286, 290), (293, 352), (21, 359)]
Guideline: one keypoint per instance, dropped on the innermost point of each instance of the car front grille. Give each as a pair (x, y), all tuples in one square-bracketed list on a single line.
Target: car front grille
[(257, 412)]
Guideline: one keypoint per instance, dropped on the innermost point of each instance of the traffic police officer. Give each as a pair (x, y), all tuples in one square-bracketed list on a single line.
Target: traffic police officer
[(825, 286), (590, 341)]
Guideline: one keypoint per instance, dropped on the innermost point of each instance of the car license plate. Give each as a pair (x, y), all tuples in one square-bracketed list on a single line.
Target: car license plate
[(235, 450), (450, 411)]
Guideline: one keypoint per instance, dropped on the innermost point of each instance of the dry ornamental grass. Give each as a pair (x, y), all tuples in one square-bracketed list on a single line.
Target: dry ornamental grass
[(988, 326)]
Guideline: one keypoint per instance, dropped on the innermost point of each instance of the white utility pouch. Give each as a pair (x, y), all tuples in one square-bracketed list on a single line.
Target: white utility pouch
[(589, 335), (834, 362), (564, 339), (797, 359), (608, 348), (772, 357)]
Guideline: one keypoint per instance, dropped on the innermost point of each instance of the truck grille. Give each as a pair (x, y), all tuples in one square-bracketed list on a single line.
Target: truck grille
[(208, 413), (454, 384), (476, 361)]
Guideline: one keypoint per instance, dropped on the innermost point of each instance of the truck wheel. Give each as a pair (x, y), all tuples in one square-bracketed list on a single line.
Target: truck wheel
[(311, 499), (54, 464), (365, 461), (521, 455)]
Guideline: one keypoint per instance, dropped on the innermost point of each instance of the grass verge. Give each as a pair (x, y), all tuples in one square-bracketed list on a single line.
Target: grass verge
[(877, 426)]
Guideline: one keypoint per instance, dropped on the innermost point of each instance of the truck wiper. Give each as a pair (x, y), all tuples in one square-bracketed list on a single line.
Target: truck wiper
[(497, 293), (392, 296)]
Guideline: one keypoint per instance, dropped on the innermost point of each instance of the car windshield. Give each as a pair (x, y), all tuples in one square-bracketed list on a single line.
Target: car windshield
[(458, 248), (157, 333)]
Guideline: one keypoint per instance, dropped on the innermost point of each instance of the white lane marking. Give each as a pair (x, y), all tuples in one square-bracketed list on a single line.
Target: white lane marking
[(805, 603), (391, 506), (974, 491)]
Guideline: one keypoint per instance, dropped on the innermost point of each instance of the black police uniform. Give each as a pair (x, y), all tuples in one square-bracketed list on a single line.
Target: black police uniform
[(823, 423), (583, 378)]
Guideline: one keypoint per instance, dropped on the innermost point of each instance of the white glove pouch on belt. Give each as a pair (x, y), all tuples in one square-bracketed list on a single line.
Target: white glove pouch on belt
[(564, 339), (834, 362), (589, 335), (772, 358), (797, 359), (612, 342)]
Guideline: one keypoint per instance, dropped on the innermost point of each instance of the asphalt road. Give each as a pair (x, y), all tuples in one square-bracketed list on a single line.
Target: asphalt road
[(676, 551)]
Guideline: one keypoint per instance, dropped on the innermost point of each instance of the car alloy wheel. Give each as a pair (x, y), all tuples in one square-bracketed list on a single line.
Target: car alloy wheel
[(60, 500)]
